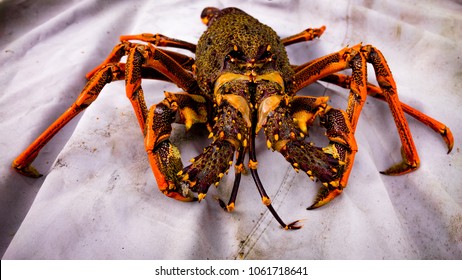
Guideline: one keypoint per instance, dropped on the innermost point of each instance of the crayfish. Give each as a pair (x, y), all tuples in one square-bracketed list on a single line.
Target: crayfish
[(239, 83)]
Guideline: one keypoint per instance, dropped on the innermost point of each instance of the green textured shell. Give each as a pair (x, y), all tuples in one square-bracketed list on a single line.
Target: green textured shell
[(234, 27)]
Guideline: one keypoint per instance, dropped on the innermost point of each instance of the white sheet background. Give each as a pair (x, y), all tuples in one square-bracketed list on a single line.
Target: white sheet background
[(98, 198)]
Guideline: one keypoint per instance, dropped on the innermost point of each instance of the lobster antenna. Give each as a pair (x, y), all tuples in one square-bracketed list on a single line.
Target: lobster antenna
[(253, 163), (239, 168)]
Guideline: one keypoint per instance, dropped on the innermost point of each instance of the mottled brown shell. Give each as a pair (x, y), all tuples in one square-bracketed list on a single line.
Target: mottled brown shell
[(233, 27)]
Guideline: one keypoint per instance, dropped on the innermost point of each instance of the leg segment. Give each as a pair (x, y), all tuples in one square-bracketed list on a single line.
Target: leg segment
[(342, 146), (150, 57), (148, 61), (375, 91), (387, 84), (90, 92), (286, 128), (238, 169), (356, 58), (164, 157), (160, 40), (306, 35), (155, 39), (143, 61), (340, 128), (229, 133)]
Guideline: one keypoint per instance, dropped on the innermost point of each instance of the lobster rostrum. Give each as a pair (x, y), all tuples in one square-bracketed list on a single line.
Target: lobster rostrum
[(240, 83)]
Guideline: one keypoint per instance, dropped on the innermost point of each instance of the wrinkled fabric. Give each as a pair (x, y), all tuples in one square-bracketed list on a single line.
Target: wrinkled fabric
[(98, 198)]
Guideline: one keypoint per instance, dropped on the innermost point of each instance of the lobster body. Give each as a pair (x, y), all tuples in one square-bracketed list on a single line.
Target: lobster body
[(239, 83)]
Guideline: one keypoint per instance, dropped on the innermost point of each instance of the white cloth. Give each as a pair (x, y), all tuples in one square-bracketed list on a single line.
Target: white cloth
[(98, 198)]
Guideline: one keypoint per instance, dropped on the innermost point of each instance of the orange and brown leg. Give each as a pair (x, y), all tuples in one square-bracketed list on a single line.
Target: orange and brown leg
[(157, 65), (345, 81), (90, 92), (149, 61), (286, 129), (309, 73), (160, 40), (164, 157), (229, 133), (253, 163), (121, 49), (238, 170), (356, 58), (141, 59), (306, 35)]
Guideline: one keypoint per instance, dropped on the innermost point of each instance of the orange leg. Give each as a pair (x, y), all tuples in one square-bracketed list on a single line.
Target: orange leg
[(155, 124), (161, 41), (356, 58), (157, 40), (90, 92), (116, 54), (152, 57), (306, 35), (375, 91), (164, 157), (286, 128), (142, 61)]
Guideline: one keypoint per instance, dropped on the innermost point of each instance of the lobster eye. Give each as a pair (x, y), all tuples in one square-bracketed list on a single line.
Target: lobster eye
[(235, 55), (265, 53), (209, 14)]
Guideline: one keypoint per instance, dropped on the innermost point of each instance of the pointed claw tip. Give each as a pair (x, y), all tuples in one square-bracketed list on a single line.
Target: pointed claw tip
[(448, 137), (319, 203), (28, 170), (325, 195), (312, 207), (401, 168), (294, 225), (201, 196), (450, 146)]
